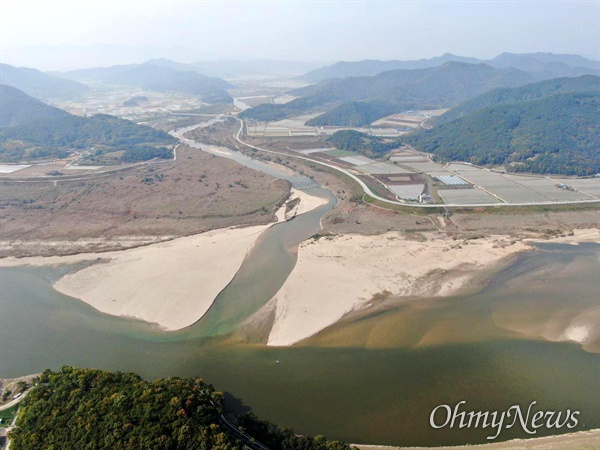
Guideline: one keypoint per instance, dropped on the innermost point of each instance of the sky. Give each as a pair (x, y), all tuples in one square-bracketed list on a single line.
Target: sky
[(61, 35)]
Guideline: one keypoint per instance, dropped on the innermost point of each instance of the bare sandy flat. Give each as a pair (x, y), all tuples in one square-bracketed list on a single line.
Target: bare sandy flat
[(171, 284), (307, 203), (570, 441), (338, 274)]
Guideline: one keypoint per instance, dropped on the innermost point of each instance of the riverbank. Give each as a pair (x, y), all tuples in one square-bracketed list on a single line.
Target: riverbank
[(339, 274), (570, 441), (171, 284)]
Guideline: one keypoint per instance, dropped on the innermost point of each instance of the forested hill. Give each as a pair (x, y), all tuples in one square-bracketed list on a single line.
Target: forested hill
[(443, 86), (18, 108), (530, 92), (76, 409), (31, 129), (38, 84), (559, 134), (157, 78)]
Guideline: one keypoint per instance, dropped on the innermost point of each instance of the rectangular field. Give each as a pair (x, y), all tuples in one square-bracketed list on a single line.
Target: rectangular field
[(466, 196), (337, 152), (407, 191), (382, 168), (357, 160), (10, 168), (589, 186)]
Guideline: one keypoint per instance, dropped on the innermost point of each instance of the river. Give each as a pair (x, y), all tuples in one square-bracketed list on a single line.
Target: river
[(380, 394)]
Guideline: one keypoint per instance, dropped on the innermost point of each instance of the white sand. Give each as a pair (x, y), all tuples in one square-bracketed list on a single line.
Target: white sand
[(171, 284), (569, 441), (307, 203), (336, 275)]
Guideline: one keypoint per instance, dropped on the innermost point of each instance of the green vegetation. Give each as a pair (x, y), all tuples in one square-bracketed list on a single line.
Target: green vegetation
[(7, 415), (144, 153), (354, 114), (431, 88), (32, 129), (528, 93), (93, 409), (365, 144), (558, 134)]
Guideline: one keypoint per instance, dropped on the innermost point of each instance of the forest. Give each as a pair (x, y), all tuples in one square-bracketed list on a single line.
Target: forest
[(558, 134), (74, 409), (365, 144)]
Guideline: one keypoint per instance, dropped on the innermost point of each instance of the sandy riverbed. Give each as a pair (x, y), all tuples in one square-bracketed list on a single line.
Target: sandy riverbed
[(171, 284), (338, 274), (570, 441)]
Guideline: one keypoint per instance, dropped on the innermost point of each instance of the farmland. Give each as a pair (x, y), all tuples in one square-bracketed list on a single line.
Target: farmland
[(451, 184)]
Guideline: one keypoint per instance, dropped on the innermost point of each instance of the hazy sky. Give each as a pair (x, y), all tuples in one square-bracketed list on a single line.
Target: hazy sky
[(303, 30)]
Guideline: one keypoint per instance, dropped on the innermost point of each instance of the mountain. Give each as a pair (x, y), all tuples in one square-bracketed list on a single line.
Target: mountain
[(354, 114), (170, 64), (547, 65), (18, 108), (538, 62), (157, 78), (369, 68), (438, 87), (38, 84), (31, 130), (544, 66), (530, 92), (558, 134), (263, 67)]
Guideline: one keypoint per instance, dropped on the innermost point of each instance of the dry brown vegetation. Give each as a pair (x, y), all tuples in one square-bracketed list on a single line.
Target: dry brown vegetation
[(196, 193)]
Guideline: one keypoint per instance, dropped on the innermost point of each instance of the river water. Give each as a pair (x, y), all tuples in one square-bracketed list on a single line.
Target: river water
[(370, 380)]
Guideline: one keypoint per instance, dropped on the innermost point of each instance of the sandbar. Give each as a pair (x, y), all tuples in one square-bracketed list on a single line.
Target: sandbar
[(338, 274)]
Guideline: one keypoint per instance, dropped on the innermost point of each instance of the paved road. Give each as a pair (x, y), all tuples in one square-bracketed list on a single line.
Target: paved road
[(370, 193)]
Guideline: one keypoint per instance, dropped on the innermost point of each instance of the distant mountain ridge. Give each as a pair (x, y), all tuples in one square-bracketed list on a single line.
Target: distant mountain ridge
[(393, 91), (370, 67), (160, 75), (39, 84), (549, 65)]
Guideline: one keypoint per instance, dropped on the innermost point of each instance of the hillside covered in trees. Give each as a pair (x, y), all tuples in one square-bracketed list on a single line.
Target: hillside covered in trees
[(558, 134), (31, 129), (354, 114), (530, 92), (355, 141), (75, 409), (394, 91)]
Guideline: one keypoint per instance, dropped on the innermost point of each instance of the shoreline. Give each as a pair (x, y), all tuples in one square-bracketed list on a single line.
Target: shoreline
[(568, 441), (346, 271)]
